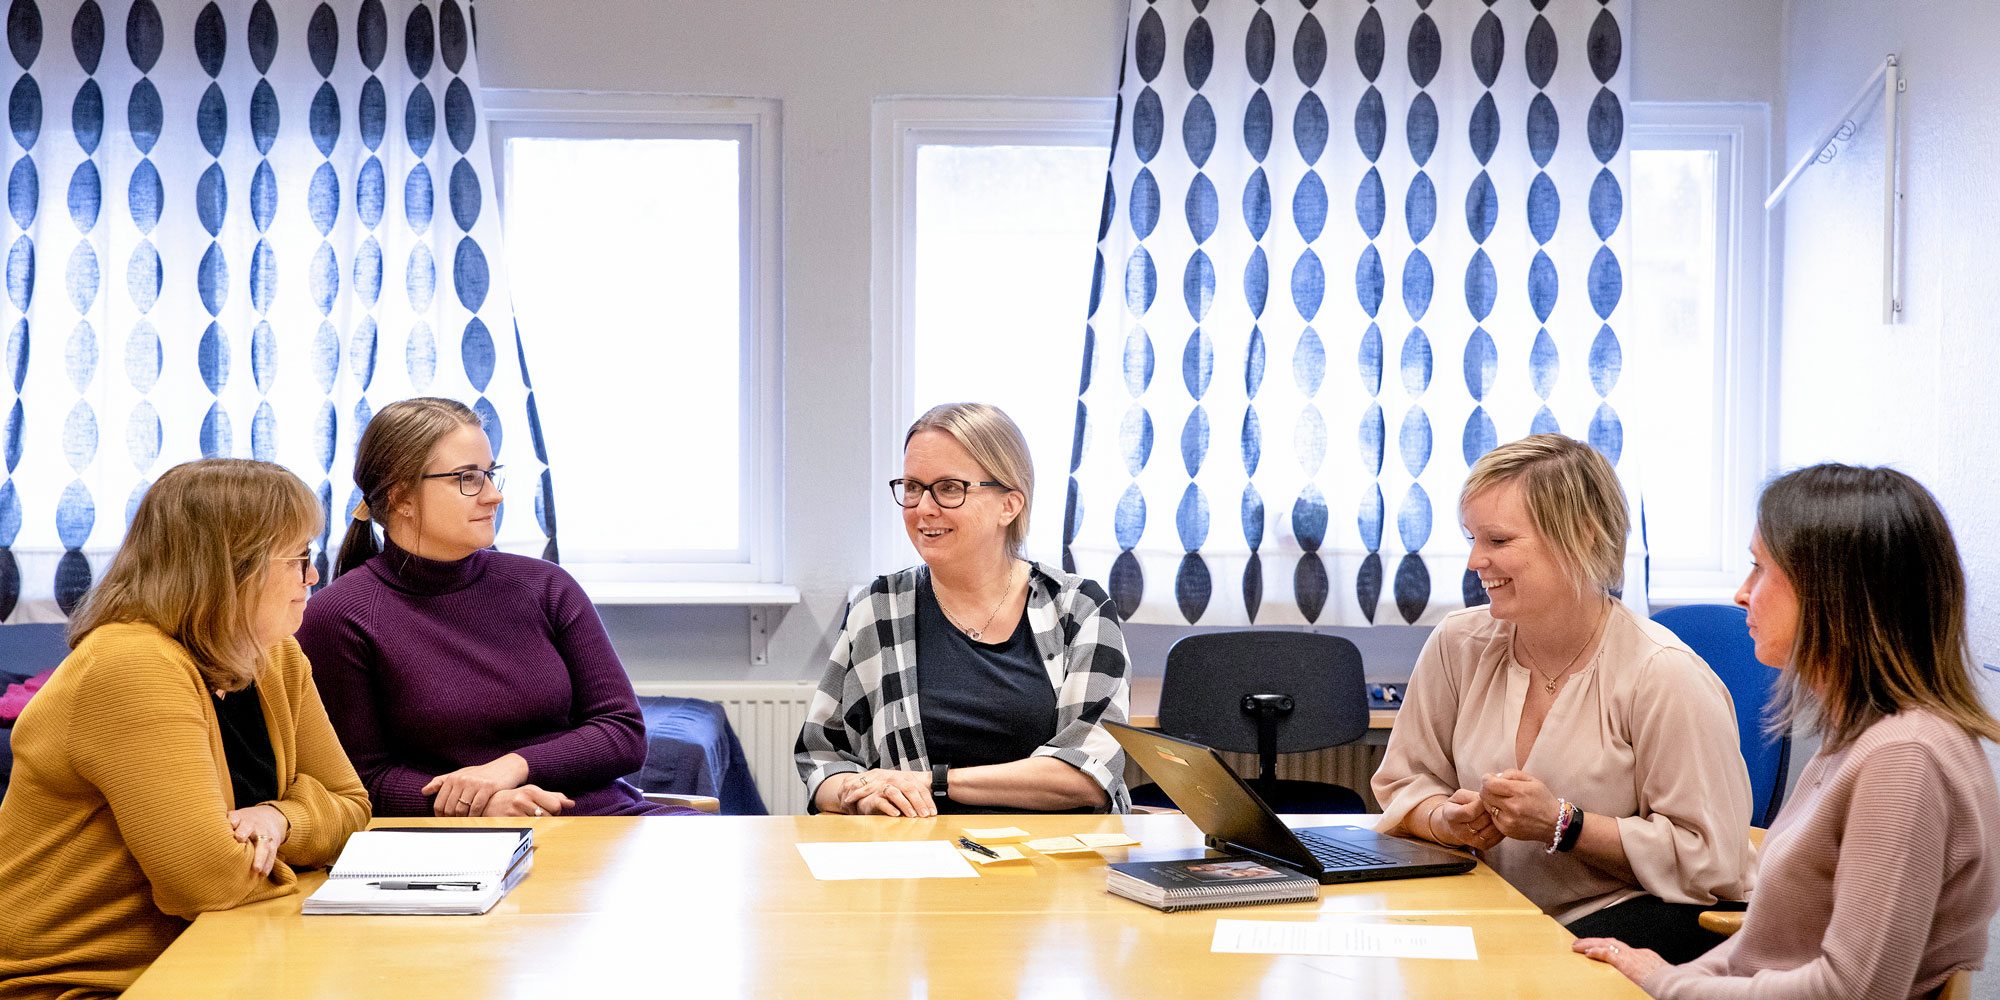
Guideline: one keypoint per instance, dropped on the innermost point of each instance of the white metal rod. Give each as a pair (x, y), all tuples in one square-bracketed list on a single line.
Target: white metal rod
[(1826, 134), (1892, 209)]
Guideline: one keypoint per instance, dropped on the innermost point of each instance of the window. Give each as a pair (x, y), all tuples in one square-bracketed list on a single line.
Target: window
[(986, 220), (984, 270), (1697, 307), (641, 253)]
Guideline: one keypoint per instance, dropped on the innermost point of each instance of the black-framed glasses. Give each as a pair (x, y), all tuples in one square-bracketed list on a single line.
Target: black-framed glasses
[(305, 561), (472, 482), (947, 492)]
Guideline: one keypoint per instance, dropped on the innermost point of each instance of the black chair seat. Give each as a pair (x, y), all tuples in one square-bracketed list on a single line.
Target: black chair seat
[(1288, 797), (1309, 797)]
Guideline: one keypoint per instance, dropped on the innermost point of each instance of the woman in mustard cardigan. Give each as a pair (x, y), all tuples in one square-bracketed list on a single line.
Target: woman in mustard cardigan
[(179, 760)]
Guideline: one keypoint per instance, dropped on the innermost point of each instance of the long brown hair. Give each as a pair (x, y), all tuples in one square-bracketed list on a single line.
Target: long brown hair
[(196, 556), (1881, 597), (390, 460)]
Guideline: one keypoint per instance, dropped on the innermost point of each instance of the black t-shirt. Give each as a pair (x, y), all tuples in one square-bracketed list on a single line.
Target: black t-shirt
[(246, 744), (982, 703)]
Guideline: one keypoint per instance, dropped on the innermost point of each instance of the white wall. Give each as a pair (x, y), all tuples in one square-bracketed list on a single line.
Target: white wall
[(827, 62), (1918, 394)]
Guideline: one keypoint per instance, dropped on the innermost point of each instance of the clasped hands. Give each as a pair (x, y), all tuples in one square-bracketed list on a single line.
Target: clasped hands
[(884, 792), (1512, 804), (495, 788)]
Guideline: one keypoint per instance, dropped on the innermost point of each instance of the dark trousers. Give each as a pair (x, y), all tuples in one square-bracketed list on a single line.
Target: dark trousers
[(1651, 922)]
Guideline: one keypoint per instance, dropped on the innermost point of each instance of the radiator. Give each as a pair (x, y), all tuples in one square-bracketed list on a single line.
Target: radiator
[(1351, 765), (766, 716)]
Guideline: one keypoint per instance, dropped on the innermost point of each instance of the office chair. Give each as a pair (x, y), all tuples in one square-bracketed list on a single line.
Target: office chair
[(1719, 634), (1267, 693)]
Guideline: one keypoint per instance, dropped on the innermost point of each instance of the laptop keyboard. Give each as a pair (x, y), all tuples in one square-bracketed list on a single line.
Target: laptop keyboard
[(1334, 855)]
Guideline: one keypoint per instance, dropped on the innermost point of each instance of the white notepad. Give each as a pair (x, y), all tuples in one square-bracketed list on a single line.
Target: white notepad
[(447, 853), (459, 870)]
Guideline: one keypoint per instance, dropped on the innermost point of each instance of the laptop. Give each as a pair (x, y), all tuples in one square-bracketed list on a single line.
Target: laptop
[(1235, 820)]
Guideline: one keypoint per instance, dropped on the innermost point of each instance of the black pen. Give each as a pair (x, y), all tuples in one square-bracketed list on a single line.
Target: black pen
[(403, 883), (981, 848)]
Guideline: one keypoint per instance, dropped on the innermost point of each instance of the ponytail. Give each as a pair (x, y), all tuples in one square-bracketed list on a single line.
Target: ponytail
[(358, 547)]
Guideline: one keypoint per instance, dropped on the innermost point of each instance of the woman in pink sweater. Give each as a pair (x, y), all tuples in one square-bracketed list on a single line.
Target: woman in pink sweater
[(1879, 876)]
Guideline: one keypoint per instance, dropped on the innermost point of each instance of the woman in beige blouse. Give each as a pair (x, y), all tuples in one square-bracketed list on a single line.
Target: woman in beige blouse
[(1881, 873), (1588, 754)]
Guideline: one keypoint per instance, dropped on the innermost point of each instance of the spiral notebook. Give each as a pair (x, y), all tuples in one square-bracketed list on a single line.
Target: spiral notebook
[(1205, 883), (437, 870)]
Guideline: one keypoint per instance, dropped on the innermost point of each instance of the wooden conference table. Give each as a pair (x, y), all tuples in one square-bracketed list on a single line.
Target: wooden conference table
[(725, 907)]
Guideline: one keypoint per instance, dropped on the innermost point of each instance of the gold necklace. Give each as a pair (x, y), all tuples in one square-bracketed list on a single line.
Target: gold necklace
[(975, 633), (1549, 681)]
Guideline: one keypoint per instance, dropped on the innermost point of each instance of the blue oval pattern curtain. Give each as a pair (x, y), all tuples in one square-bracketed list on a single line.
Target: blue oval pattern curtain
[(233, 230), (1347, 247)]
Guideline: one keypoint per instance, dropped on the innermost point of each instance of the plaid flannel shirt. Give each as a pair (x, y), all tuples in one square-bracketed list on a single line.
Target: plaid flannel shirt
[(865, 714)]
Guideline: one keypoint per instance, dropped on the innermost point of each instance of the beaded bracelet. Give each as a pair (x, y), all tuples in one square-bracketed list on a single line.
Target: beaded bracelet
[(1575, 831), (1565, 812)]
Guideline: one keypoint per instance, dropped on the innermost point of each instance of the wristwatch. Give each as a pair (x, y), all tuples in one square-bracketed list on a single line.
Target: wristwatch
[(940, 783)]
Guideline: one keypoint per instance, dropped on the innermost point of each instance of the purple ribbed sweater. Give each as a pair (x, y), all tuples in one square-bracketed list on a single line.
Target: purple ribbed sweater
[(426, 667)]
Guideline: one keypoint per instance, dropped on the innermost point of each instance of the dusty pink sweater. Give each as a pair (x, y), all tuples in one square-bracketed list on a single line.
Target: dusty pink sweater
[(1876, 881)]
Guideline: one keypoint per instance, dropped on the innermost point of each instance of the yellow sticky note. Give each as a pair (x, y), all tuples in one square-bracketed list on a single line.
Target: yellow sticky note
[(1095, 840), (1004, 854), (1058, 845), (997, 835)]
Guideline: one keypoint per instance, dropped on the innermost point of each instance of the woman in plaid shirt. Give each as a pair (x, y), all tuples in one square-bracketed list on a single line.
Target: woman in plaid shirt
[(1018, 662)]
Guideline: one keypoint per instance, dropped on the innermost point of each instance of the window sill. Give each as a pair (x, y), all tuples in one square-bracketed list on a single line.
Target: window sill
[(1673, 597), (658, 593)]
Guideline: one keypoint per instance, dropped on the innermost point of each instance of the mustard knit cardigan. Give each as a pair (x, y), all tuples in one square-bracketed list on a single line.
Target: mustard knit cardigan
[(114, 833)]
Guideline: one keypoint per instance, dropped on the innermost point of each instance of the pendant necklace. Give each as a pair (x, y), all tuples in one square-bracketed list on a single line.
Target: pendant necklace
[(975, 633)]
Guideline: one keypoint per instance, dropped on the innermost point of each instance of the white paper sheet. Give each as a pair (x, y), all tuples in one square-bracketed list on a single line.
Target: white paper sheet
[(1274, 937), (841, 861)]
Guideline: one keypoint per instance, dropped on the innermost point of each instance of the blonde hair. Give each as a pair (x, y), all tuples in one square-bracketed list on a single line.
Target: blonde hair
[(1881, 598), (1573, 497), (993, 440), (391, 457), (196, 557)]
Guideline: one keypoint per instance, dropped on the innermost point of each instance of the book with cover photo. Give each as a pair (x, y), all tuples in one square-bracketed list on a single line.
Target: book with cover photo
[(1202, 883)]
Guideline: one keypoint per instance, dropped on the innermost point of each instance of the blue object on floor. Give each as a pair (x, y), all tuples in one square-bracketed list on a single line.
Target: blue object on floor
[(691, 750), (1720, 634), (26, 650)]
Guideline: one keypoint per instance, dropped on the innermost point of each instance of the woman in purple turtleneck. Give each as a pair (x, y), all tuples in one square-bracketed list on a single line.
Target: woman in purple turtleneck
[(464, 681)]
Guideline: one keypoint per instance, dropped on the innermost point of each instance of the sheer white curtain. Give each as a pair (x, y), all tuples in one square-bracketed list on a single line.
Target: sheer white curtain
[(1347, 247), (235, 229)]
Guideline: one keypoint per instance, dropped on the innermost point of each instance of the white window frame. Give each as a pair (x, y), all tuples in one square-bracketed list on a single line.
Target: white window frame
[(1746, 390), (901, 126), (754, 576)]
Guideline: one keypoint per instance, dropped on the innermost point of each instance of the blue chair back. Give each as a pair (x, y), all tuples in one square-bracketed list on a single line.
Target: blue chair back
[(1720, 634)]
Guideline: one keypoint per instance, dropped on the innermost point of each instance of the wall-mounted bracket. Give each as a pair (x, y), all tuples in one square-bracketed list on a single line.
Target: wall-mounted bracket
[(1833, 139)]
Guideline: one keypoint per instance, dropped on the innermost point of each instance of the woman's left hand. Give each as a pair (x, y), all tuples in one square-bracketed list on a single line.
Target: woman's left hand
[(263, 826), (1521, 806), (1635, 963)]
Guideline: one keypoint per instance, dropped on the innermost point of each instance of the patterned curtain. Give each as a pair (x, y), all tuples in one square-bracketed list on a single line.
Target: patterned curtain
[(234, 229), (1347, 247)]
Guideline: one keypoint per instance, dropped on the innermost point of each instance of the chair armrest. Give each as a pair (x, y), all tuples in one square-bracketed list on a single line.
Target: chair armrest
[(1723, 922), (702, 803)]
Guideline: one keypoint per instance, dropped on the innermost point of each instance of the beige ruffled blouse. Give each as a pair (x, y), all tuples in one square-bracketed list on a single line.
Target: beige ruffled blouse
[(1645, 732)]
